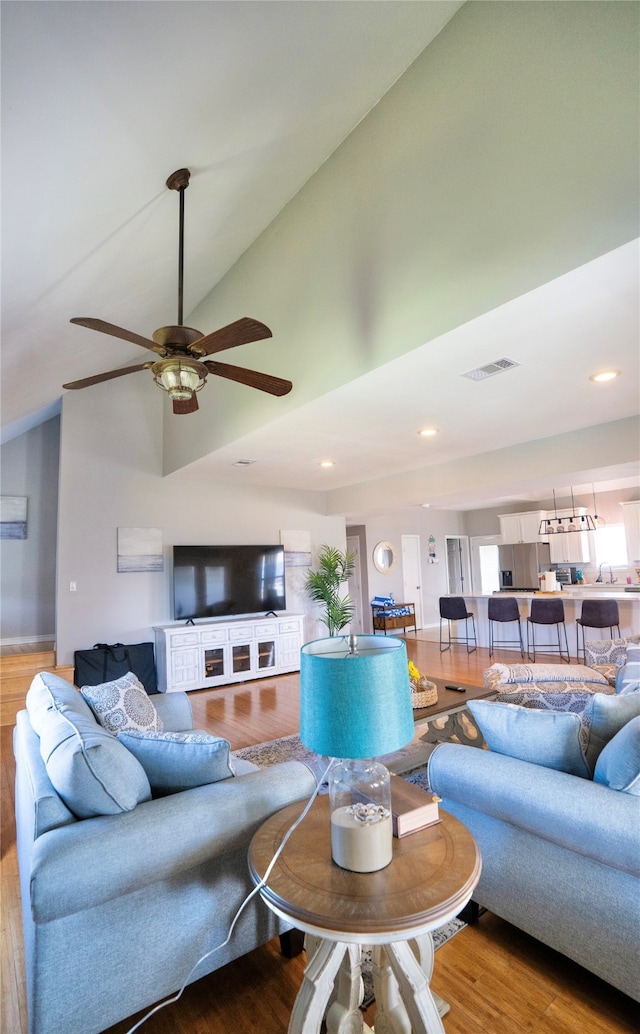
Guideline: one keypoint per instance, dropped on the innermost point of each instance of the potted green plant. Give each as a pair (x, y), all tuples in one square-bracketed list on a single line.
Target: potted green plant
[(323, 587)]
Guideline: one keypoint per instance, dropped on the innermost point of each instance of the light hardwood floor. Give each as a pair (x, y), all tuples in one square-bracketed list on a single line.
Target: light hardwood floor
[(497, 979)]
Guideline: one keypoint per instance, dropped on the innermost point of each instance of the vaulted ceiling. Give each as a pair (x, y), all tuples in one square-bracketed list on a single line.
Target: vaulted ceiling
[(101, 101)]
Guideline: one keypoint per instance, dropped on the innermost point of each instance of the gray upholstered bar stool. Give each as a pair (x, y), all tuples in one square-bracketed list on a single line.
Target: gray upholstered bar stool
[(547, 612), (453, 608), (503, 610), (597, 614)]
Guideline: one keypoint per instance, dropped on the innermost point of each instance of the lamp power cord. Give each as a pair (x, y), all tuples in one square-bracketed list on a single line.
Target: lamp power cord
[(252, 894)]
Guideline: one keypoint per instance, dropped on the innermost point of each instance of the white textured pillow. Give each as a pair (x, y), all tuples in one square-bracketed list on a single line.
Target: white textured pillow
[(123, 705)]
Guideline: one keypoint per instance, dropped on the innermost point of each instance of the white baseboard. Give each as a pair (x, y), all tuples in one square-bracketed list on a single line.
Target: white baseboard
[(20, 640)]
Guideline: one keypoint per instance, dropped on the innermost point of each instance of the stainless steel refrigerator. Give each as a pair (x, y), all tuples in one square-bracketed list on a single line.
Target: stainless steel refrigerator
[(521, 564)]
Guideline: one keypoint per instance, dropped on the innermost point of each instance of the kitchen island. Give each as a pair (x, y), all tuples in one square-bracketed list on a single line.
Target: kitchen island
[(572, 597)]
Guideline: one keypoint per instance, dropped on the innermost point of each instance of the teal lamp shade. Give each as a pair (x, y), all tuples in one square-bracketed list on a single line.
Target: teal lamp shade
[(355, 696)]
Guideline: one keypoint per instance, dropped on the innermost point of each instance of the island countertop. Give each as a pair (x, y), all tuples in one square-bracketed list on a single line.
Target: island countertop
[(570, 594)]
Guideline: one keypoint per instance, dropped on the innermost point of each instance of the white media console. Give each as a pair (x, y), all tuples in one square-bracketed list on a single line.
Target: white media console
[(215, 653)]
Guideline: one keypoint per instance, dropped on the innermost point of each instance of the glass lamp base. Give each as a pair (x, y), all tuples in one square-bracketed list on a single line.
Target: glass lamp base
[(360, 806)]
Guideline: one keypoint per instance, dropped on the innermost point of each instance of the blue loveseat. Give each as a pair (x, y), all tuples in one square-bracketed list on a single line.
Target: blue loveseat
[(118, 907), (560, 848)]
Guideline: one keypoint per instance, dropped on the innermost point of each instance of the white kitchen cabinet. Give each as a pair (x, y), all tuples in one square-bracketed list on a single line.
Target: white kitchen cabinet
[(209, 654), (631, 520), (569, 547), (521, 527)]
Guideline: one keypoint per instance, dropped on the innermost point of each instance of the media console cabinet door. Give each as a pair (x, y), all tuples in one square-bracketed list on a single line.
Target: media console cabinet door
[(206, 655)]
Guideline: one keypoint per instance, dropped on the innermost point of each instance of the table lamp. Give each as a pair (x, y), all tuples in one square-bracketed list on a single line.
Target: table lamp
[(355, 705)]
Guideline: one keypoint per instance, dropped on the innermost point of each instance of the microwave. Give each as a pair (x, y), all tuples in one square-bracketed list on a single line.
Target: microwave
[(564, 575)]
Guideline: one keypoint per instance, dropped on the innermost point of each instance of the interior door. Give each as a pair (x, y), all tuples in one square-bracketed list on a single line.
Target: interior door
[(485, 563), (412, 574), (355, 585), (458, 580)]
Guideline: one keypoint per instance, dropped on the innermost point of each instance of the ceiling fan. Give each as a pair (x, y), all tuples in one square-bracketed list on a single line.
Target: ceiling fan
[(180, 370)]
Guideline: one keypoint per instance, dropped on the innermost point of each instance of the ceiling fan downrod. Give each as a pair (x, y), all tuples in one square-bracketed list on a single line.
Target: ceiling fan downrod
[(179, 181)]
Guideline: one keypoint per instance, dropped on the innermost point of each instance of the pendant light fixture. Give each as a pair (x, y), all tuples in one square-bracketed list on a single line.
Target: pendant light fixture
[(599, 522), (576, 522)]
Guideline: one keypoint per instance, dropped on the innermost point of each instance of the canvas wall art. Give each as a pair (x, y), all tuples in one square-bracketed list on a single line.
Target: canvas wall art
[(13, 517), (140, 549)]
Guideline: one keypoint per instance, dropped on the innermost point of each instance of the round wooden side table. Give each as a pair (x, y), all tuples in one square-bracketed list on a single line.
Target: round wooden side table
[(431, 878)]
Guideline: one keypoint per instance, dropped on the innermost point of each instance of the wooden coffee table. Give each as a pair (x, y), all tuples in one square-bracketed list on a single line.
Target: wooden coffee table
[(449, 700), (431, 878)]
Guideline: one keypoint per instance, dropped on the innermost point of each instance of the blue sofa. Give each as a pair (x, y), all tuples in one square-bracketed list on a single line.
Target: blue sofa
[(560, 852), (118, 907)]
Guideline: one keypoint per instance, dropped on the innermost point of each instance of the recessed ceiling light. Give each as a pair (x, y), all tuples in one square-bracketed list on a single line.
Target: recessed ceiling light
[(327, 463), (428, 432), (243, 463), (425, 505), (606, 375)]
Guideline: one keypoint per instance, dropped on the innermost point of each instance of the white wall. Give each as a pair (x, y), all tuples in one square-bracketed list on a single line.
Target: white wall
[(391, 527), (111, 477), (28, 566)]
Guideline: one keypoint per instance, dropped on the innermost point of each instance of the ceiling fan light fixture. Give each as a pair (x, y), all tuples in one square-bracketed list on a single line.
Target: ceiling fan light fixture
[(180, 377)]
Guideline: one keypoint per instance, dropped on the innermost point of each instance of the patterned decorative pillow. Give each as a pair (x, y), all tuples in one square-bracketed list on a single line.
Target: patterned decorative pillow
[(499, 675), (608, 651), (609, 671), (578, 702), (123, 705), (176, 761)]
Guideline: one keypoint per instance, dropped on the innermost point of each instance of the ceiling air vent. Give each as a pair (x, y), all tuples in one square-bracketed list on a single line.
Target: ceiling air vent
[(498, 366)]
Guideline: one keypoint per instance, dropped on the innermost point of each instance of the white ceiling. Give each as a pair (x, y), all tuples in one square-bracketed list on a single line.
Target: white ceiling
[(101, 101), (559, 342)]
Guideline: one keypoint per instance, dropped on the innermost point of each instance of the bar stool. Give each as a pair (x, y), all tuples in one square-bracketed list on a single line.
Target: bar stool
[(503, 610), (453, 608), (596, 614), (547, 612)]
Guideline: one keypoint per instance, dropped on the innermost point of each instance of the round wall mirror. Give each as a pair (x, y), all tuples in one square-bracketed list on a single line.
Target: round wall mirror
[(384, 557)]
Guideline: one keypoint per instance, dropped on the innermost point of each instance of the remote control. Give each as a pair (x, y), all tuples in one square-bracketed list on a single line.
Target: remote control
[(456, 689)]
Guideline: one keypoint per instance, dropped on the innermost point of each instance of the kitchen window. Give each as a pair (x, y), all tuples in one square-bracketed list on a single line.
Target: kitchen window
[(611, 545)]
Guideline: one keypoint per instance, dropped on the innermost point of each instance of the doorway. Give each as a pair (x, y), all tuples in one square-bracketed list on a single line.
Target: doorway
[(355, 584), (458, 571), (412, 574), (485, 563)]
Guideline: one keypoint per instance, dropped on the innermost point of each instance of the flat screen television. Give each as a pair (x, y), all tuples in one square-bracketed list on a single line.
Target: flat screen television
[(223, 581)]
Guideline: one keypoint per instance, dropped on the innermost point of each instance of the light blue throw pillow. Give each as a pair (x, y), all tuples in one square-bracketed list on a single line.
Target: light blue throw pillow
[(609, 714), (619, 763), (175, 761), (92, 773), (553, 739), (628, 676)]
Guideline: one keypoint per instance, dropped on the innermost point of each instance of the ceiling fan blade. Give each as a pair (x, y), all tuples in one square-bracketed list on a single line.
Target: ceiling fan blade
[(185, 405), (86, 382), (261, 381), (239, 333), (110, 328)]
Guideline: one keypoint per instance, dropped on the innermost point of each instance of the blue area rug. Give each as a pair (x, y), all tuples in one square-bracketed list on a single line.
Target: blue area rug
[(410, 759)]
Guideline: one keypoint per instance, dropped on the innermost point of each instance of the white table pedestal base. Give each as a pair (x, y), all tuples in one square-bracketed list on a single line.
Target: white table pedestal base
[(333, 985)]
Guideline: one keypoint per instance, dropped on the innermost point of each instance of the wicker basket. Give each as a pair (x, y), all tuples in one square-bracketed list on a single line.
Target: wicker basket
[(423, 692)]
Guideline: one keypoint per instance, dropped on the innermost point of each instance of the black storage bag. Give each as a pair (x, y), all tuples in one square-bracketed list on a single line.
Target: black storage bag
[(105, 663)]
